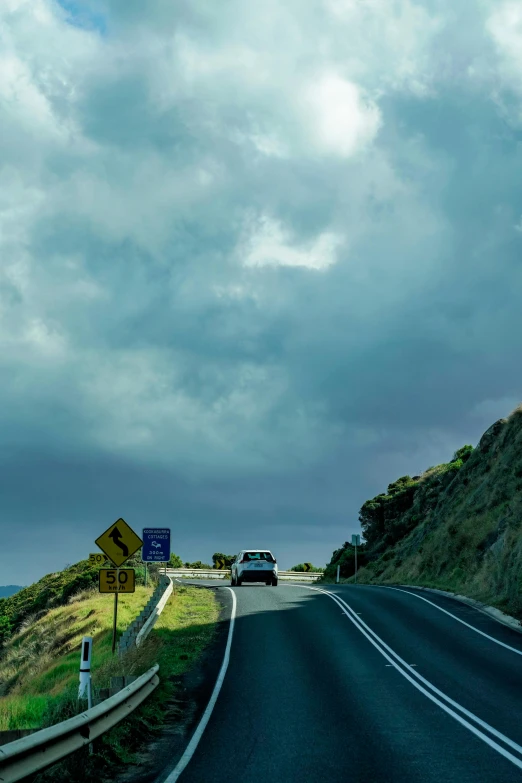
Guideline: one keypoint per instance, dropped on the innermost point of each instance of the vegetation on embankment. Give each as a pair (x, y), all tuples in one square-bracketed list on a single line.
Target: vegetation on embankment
[(55, 590), (183, 631), (456, 527), (40, 657), (40, 662)]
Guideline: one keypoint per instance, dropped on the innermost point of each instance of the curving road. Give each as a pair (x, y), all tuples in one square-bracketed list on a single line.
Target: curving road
[(363, 684)]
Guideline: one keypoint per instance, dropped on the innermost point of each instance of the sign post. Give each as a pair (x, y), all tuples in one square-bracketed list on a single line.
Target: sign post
[(115, 620), (356, 540), (119, 542)]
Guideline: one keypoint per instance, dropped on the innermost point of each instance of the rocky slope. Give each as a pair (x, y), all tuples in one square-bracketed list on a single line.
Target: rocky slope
[(457, 527)]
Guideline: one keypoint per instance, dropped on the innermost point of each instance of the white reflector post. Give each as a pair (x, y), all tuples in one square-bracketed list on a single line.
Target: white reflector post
[(85, 668)]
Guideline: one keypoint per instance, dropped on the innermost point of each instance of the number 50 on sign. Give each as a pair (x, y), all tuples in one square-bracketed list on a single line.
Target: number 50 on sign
[(113, 580)]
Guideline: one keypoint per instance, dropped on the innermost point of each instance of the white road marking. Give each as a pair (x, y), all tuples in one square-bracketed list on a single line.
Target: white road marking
[(421, 598), (194, 742), (409, 674)]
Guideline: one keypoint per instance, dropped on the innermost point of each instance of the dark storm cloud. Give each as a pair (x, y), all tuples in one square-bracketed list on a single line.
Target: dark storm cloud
[(246, 282)]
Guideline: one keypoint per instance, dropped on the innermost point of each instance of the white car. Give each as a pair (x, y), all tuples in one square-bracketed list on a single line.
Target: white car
[(254, 565)]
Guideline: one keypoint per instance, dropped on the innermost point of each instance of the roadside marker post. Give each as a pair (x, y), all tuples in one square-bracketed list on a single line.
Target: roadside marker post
[(119, 542), (337, 577), (356, 540), (85, 689)]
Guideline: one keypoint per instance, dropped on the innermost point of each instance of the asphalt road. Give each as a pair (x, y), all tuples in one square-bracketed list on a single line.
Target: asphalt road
[(384, 687)]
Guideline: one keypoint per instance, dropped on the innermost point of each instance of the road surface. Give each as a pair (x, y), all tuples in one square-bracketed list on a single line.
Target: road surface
[(377, 684)]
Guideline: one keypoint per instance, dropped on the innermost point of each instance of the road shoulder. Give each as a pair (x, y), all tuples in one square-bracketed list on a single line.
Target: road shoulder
[(192, 693)]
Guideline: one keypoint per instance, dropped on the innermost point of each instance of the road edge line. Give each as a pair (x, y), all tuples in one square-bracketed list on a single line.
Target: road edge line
[(490, 611), (454, 617), (198, 733), (416, 679)]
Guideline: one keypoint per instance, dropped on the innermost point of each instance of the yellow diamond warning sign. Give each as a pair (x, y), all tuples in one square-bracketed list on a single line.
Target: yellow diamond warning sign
[(119, 542)]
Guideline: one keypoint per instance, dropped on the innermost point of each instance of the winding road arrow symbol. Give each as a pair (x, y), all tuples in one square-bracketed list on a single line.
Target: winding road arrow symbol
[(116, 537)]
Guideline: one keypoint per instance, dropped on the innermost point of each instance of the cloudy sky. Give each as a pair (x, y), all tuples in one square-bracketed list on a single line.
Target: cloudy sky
[(257, 260)]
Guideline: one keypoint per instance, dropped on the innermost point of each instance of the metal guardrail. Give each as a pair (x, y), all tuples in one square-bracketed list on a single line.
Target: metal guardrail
[(160, 606), (39, 750), (215, 573)]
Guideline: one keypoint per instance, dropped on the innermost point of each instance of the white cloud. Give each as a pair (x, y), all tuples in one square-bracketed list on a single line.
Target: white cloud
[(270, 245), (392, 43), (341, 120), (503, 74), (505, 27)]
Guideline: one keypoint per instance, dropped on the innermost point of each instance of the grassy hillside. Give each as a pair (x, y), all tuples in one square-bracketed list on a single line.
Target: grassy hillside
[(40, 662), (184, 629), (458, 526), (52, 591)]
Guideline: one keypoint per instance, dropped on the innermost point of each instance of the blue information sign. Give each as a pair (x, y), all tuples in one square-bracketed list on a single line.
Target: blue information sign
[(156, 544)]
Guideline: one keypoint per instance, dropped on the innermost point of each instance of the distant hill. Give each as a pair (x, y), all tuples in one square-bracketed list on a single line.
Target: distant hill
[(7, 590), (457, 527)]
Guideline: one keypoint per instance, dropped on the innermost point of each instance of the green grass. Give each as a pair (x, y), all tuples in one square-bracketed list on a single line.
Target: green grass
[(40, 663), (186, 626)]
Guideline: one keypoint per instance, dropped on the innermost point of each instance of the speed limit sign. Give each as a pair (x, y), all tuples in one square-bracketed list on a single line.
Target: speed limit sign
[(117, 580)]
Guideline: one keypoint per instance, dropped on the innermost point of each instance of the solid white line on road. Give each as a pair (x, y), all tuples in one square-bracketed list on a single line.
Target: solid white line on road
[(191, 747), (428, 684), (410, 674), (421, 598)]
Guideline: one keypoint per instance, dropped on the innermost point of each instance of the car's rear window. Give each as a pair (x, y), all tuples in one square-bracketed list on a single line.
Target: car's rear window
[(259, 556)]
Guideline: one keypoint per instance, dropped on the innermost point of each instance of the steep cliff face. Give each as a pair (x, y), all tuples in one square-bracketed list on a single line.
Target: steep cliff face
[(463, 524)]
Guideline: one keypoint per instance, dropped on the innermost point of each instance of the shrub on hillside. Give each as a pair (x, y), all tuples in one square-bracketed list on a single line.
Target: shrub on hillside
[(463, 453), (306, 567), (227, 560), (345, 559)]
